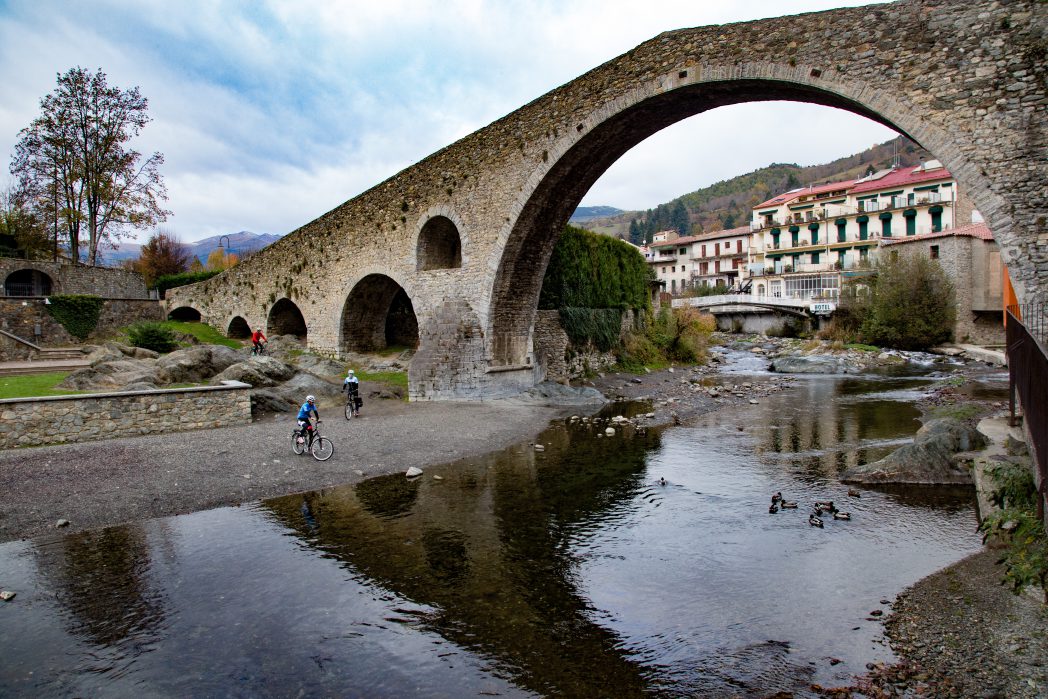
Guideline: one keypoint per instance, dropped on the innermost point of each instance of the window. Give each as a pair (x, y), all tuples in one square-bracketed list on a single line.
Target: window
[(738, 245), (794, 238), (682, 268), (863, 232), (716, 248), (673, 270), (704, 267), (842, 235), (815, 258), (682, 251), (704, 251), (935, 252)]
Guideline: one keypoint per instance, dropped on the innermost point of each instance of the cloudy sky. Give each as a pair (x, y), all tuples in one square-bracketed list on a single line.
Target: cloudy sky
[(271, 112)]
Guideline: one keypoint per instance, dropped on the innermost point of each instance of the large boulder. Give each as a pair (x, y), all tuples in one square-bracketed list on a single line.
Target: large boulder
[(814, 364), (256, 371), (321, 366), (930, 460), (267, 400), (196, 364), (113, 375)]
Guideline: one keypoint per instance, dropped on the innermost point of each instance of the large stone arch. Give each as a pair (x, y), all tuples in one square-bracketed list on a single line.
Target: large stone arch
[(185, 313), (601, 137), (238, 328), (964, 78), (440, 240), (377, 314), (285, 318), (29, 281)]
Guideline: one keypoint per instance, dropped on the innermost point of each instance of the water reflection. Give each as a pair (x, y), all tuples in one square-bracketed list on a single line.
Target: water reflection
[(640, 564)]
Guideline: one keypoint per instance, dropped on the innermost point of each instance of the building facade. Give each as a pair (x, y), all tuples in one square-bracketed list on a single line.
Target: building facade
[(706, 260), (806, 240)]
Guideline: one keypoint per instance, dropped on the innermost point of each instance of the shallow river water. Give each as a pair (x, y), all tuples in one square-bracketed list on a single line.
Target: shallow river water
[(568, 572)]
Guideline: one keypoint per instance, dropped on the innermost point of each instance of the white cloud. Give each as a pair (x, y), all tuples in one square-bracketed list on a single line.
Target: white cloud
[(270, 114)]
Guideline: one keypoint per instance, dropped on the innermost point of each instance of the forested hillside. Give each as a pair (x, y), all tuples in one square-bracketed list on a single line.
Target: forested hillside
[(727, 204)]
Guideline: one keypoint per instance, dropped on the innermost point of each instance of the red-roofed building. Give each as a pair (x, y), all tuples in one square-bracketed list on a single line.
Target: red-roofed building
[(708, 259), (805, 238)]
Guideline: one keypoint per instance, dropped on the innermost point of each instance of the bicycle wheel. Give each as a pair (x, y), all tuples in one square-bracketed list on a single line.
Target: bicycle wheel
[(349, 411), (297, 446), (322, 449)]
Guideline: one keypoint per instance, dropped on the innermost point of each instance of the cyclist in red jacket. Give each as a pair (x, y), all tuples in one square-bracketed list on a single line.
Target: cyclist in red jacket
[(257, 338)]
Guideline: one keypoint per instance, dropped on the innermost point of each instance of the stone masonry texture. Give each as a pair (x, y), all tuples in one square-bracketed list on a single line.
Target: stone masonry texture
[(106, 282), (965, 79), (35, 421)]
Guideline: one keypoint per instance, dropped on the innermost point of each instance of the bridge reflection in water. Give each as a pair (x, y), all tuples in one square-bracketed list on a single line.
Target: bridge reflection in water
[(568, 572)]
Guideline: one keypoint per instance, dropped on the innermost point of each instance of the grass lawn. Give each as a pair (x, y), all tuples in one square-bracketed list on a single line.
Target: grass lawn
[(34, 385), (203, 332)]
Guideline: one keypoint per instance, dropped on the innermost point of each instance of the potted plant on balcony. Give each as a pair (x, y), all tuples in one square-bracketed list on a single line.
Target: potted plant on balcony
[(787, 269)]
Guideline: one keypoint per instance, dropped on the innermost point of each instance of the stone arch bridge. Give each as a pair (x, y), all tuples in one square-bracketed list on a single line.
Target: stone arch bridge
[(450, 253)]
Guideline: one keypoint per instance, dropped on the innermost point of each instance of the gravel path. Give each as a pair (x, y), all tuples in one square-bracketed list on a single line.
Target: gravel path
[(97, 484)]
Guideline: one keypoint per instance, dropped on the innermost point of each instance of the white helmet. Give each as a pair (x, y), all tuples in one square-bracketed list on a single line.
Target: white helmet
[(311, 399), (349, 373)]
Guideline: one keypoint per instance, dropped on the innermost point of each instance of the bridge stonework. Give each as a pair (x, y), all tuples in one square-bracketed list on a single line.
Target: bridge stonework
[(966, 79)]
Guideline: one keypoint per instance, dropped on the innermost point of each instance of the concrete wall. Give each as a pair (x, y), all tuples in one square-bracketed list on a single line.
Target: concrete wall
[(20, 316), (965, 78), (106, 282), (28, 422)]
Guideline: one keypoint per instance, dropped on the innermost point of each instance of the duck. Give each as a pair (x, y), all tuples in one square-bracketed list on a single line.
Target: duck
[(824, 507), (788, 504), (814, 520), (846, 516), (773, 509), (853, 493), (662, 481), (776, 498)]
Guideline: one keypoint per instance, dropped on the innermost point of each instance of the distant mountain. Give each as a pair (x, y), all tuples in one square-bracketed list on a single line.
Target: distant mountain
[(586, 213), (727, 204), (240, 243)]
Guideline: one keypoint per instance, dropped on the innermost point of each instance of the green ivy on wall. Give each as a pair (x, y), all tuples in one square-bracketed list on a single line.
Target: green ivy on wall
[(588, 270), (77, 314)]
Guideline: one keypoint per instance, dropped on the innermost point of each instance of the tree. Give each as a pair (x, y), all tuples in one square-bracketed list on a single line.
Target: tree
[(911, 304), (74, 164), (162, 254), (679, 218), (22, 230), (220, 259)]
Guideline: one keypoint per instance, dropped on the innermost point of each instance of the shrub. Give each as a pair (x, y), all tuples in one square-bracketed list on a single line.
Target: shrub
[(77, 314), (152, 336), (588, 270), (170, 281), (599, 326), (912, 305), (1026, 557)]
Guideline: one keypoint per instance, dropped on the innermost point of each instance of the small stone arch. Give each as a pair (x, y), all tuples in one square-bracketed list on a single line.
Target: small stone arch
[(184, 313), (238, 329), (285, 318), (439, 245), (28, 282), (378, 313)]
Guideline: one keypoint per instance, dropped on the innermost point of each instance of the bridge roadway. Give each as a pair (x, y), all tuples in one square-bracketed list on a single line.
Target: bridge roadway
[(735, 303), (449, 254)]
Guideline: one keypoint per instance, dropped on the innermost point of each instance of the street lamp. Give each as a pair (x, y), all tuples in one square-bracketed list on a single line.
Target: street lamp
[(228, 247)]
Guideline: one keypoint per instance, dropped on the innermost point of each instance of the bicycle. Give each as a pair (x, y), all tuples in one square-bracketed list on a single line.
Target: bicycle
[(353, 404), (259, 350), (319, 446)]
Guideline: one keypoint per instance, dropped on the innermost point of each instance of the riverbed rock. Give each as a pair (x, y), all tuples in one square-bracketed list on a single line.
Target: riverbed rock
[(552, 393), (113, 375), (196, 364), (928, 461), (814, 364), (413, 472)]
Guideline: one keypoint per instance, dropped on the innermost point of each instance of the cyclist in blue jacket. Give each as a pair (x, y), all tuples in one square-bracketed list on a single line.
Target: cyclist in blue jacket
[(309, 407)]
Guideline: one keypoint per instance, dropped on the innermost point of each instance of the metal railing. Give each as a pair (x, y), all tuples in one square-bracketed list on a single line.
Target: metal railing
[(1027, 334)]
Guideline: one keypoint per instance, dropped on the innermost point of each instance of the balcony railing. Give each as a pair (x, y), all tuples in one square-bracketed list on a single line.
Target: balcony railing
[(865, 206), (1027, 333)]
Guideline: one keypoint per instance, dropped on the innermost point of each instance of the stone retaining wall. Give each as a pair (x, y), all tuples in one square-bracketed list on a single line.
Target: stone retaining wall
[(107, 282), (559, 359), (20, 316), (26, 422)]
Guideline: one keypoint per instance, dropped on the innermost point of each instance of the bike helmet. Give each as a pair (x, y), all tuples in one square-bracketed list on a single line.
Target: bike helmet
[(311, 399), (349, 373)]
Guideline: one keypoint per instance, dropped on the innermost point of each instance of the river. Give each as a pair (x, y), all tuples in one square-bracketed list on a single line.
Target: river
[(645, 563)]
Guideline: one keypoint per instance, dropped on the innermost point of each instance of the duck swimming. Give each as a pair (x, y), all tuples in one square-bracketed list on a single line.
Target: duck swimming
[(662, 481), (853, 493), (776, 498), (846, 516), (814, 520), (773, 509), (788, 505)]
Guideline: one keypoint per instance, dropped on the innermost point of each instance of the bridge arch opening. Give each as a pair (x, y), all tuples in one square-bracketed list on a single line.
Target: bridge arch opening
[(378, 313), (439, 245), (547, 207), (28, 282), (285, 318), (238, 329), (186, 314)]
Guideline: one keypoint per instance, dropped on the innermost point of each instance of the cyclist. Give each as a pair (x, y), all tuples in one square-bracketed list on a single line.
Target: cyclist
[(352, 388), (305, 428), (257, 338)]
